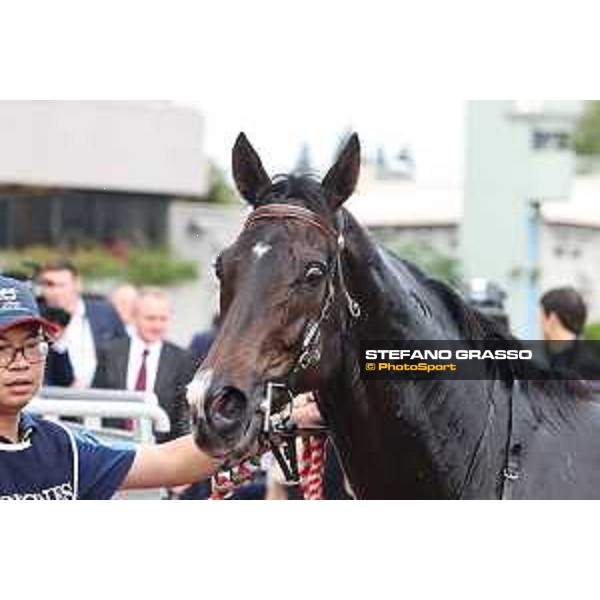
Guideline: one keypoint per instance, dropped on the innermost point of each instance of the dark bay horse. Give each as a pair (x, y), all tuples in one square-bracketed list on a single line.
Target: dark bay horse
[(302, 285)]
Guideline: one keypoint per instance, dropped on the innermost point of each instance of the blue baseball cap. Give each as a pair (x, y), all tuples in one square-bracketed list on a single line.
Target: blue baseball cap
[(18, 307)]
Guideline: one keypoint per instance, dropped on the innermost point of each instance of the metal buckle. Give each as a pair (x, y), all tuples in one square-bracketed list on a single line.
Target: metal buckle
[(510, 474), (353, 307), (266, 405), (309, 358)]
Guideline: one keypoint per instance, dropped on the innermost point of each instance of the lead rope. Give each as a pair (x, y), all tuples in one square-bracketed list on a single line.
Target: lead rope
[(311, 469), (225, 482)]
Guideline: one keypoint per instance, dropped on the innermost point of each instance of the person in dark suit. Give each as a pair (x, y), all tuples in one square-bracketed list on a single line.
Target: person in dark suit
[(202, 341), (59, 370), (93, 321), (147, 362), (104, 320)]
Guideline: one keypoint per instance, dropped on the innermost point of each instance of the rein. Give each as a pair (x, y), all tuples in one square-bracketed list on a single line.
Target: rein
[(279, 432), (510, 473)]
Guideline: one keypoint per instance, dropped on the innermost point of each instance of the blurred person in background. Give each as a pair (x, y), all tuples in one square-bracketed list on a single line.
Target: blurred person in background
[(123, 300), (59, 369), (563, 315), (93, 321), (147, 362), (202, 341)]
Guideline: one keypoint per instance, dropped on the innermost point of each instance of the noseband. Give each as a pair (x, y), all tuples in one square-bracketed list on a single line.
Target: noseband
[(277, 427)]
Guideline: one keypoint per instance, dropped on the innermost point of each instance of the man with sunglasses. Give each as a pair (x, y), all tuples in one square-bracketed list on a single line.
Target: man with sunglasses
[(43, 460)]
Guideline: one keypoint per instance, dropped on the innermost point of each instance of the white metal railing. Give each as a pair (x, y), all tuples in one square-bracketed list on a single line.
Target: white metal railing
[(91, 405)]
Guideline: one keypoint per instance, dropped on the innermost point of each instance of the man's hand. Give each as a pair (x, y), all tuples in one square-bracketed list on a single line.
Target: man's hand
[(175, 463), (306, 412)]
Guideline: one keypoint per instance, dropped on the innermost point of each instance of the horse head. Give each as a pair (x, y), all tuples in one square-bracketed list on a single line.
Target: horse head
[(279, 281)]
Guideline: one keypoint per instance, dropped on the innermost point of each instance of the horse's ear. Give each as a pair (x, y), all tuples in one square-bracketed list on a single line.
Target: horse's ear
[(340, 181), (248, 172)]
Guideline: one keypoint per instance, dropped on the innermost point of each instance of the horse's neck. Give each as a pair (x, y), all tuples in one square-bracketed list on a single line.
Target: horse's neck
[(417, 439), (404, 439)]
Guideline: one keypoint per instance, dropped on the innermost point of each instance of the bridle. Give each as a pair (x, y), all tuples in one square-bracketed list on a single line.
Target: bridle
[(279, 432)]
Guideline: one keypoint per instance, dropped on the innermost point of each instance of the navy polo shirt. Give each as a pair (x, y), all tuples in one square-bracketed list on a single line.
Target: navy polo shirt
[(52, 462)]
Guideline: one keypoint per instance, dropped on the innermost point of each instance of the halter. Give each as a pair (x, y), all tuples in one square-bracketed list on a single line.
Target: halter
[(279, 426)]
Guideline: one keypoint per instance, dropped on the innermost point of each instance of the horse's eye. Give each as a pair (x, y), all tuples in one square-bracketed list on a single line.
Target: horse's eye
[(314, 273)]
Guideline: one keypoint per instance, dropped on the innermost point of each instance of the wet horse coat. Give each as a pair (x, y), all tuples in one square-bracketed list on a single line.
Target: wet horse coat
[(498, 438), (501, 438)]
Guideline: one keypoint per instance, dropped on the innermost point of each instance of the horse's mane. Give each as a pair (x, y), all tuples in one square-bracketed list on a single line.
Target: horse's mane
[(479, 329), (473, 324)]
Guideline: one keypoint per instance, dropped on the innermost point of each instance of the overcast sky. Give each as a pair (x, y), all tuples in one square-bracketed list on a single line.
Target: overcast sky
[(279, 123), (305, 72), (299, 72)]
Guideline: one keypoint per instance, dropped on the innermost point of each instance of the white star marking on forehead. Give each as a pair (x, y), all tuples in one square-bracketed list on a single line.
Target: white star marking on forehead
[(260, 249)]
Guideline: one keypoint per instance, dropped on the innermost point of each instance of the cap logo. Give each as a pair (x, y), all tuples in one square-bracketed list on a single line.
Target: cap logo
[(9, 299), (8, 294)]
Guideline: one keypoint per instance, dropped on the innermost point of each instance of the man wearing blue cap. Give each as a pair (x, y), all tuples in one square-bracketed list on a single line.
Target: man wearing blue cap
[(43, 460)]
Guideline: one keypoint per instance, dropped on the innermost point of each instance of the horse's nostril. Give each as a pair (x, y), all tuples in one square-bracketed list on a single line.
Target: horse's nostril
[(226, 408), (230, 406)]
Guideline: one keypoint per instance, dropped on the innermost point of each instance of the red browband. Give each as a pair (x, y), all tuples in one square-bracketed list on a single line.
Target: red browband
[(276, 211)]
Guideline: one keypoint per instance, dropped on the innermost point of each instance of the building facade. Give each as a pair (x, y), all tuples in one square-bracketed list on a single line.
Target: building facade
[(405, 214), (92, 170)]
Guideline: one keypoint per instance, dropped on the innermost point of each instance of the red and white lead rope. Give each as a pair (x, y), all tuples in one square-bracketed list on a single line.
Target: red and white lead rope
[(311, 469), (224, 482)]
